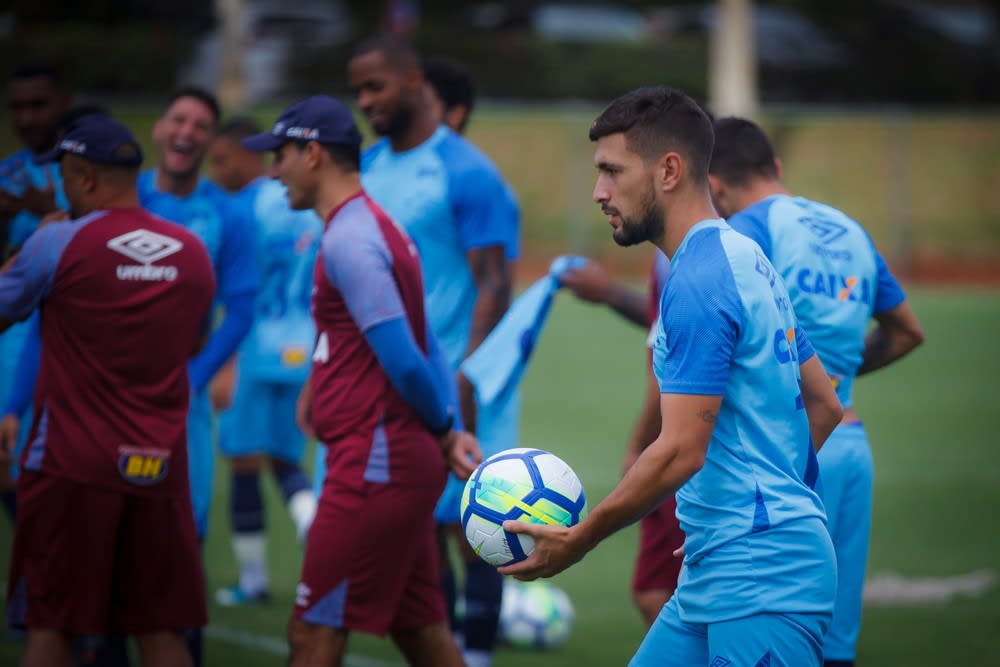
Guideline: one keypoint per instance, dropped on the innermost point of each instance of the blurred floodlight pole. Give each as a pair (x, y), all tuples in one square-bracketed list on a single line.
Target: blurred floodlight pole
[(732, 60), (232, 83)]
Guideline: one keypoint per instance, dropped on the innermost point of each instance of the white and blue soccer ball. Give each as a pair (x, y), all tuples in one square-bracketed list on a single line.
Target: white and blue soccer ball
[(535, 615), (523, 484)]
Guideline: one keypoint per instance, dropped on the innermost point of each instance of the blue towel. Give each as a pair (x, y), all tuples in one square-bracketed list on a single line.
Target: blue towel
[(497, 365)]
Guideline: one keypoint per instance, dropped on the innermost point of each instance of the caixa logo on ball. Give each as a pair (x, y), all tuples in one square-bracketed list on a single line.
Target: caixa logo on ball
[(143, 466)]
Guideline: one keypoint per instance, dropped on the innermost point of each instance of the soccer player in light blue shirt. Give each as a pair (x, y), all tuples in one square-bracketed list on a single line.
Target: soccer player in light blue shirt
[(258, 425), (837, 283), (464, 219), (175, 190), (745, 403), (35, 99)]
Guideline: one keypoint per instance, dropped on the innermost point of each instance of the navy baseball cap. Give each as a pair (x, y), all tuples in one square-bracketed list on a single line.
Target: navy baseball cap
[(99, 138), (318, 118)]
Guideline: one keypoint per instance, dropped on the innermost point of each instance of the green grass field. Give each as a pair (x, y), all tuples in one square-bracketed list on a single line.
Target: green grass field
[(937, 492)]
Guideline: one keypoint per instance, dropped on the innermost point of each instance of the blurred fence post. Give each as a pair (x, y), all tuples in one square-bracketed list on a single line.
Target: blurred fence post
[(732, 60), (232, 82)]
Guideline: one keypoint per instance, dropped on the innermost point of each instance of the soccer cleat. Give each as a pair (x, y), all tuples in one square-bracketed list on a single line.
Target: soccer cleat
[(234, 596)]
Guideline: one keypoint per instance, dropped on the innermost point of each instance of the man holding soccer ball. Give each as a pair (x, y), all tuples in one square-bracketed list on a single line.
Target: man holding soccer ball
[(381, 397), (745, 404)]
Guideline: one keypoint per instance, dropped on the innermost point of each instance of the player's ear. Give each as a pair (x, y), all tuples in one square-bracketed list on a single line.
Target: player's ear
[(777, 167), (669, 171)]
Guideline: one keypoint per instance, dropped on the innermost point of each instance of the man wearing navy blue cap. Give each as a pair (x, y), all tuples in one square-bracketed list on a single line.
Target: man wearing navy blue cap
[(105, 537), (381, 397)]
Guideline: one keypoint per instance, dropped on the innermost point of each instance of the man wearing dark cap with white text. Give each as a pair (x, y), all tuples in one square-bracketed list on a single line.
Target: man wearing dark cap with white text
[(381, 397), (105, 538)]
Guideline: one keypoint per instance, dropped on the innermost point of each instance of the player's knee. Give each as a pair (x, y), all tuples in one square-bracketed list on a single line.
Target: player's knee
[(246, 465), (301, 635), (649, 603)]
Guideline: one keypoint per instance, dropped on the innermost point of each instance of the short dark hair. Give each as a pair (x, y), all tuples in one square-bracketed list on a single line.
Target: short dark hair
[(655, 120), (238, 127), (346, 156), (34, 70), (397, 50), (451, 82), (742, 152), (200, 94)]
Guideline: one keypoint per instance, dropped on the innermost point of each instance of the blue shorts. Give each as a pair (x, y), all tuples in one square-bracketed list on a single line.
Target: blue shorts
[(847, 472), (762, 640), (201, 459), (261, 420), (497, 429)]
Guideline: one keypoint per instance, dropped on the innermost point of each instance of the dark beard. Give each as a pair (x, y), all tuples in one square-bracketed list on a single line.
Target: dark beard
[(397, 124), (647, 228)]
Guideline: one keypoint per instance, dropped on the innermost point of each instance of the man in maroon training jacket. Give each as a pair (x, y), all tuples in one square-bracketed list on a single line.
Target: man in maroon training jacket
[(105, 537)]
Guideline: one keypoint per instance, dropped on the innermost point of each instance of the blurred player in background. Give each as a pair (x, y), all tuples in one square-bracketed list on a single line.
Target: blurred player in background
[(176, 191), (837, 282), (745, 403), (452, 93), (656, 567), (453, 202), (273, 361), (381, 396), (35, 99), (105, 538)]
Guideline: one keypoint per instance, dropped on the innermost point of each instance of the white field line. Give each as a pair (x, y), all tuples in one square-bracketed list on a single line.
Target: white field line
[(889, 589), (279, 647)]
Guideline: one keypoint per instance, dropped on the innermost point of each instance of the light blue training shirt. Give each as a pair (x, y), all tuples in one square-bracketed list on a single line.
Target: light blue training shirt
[(279, 346), (835, 277), (450, 198), (756, 534)]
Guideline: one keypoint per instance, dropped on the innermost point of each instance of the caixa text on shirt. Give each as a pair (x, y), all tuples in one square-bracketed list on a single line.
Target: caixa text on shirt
[(143, 466)]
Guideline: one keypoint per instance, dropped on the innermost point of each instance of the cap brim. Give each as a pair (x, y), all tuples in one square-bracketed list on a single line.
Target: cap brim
[(49, 156), (261, 143)]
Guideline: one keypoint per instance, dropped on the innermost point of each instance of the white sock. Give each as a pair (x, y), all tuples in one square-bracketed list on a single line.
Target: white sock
[(251, 558), (302, 507), (477, 658)]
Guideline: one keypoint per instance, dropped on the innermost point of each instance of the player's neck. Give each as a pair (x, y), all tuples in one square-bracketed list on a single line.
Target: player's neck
[(419, 131), (681, 215), (116, 198), (758, 190), (335, 191), (176, 184)]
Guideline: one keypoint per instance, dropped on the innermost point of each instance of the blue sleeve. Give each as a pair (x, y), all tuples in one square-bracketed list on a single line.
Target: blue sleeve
[(446, 378), (702, 317), (358, 264), (410, 372), (30, 277), (224, 341), (236, 270), (237, 279), (803, 346), (888, 294), (23, 385), (748, 223), (484, 208)]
